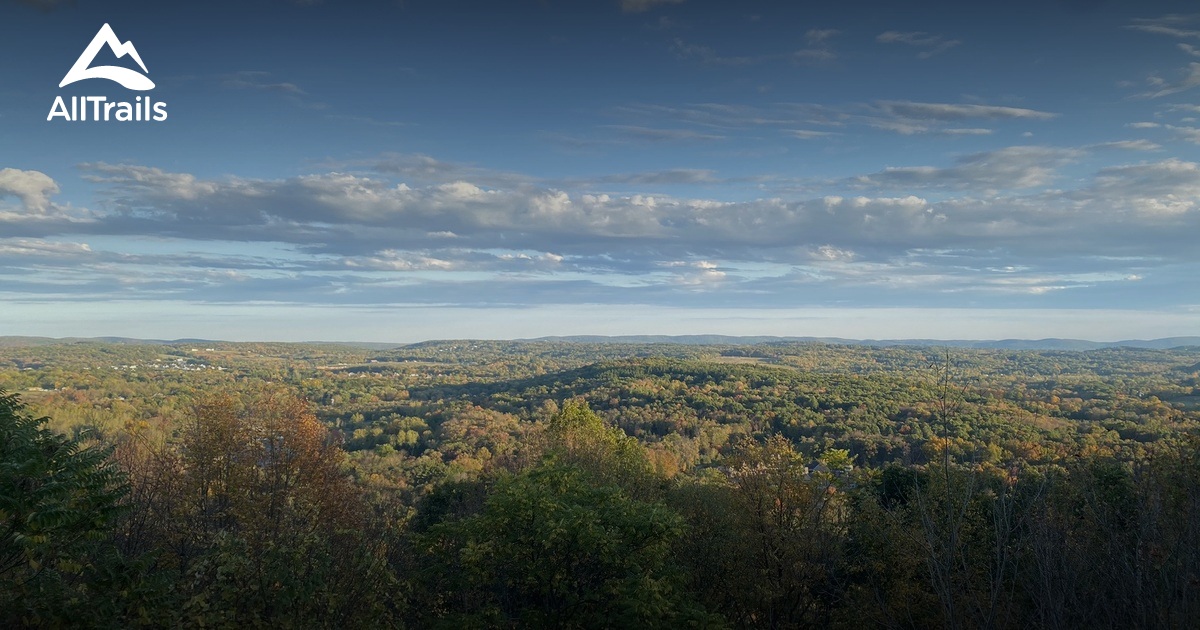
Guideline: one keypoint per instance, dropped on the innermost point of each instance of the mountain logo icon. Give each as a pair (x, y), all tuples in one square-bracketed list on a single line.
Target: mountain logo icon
[(82, 69)]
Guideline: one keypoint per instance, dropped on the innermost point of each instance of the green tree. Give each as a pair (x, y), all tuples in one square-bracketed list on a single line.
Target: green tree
[(578, 437), (550, 549), (59, 501)]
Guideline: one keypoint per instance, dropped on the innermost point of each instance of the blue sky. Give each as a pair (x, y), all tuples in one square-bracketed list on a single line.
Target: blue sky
[(410, 170)]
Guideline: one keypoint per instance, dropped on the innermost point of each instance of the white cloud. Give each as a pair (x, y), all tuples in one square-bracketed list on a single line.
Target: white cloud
[(33, 188), (699, 274), (984, 224), (31, 248), (831, 253), (392, 260), (1170, 187)]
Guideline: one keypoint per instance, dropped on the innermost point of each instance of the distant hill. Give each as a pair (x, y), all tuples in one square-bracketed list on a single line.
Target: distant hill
[(690, 340), (14, 341), (1002, 344), (50, 341)]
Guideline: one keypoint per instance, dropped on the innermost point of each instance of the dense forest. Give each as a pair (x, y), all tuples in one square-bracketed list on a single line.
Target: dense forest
[(590, 484)]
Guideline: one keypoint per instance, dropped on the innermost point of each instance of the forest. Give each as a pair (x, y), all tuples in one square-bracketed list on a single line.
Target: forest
[(593, 484)]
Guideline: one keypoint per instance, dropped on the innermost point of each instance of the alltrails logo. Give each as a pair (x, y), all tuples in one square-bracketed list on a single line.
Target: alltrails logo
[(99, 107)]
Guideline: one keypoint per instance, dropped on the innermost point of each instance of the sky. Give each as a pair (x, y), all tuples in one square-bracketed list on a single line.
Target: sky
[(428, 169)]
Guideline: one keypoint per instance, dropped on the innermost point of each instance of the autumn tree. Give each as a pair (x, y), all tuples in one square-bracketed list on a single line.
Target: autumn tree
[(794, 529), (260, 519)]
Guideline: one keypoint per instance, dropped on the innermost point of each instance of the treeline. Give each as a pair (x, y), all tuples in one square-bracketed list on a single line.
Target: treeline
[(252, 515), (690, 414)]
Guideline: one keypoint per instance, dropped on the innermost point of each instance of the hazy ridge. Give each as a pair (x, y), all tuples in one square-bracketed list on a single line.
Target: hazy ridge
[(691, 340)]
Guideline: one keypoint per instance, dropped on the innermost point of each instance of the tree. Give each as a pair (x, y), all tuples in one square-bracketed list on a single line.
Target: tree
[(576, 436), (263, 524), (793, 535), (59, 500), (550, 549), (965, 521)]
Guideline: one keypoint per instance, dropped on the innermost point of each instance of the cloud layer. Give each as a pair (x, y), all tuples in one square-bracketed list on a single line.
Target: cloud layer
[(992, 225)]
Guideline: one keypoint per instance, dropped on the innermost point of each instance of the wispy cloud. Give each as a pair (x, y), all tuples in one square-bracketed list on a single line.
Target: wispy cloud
[(1189, 78), (417, 168), (368, 120), (797, 120), (652, 134), (1128, 145), (704, 54), (808, 134), (910, 118), (257, 80), (929, 44), (1185, 133), (820, 36), (819, 50), (959, 111), (1005, 169), (667, 177), (1174, 25), (641, 6), (1183, 26)]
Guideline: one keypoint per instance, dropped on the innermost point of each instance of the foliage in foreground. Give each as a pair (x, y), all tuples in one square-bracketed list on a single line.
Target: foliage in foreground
[(59, 503)]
